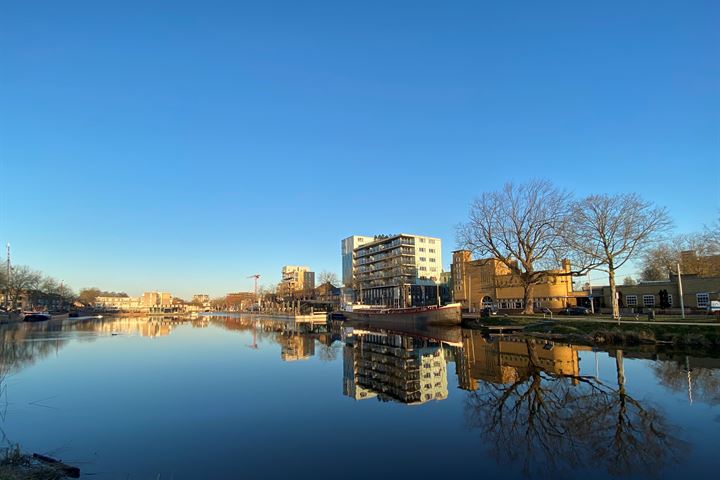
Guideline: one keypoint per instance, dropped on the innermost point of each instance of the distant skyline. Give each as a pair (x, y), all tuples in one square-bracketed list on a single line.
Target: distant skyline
[(184, 146)]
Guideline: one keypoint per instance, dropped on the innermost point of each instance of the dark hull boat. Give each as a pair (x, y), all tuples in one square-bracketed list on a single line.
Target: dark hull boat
[(433, 315), (36, 317)]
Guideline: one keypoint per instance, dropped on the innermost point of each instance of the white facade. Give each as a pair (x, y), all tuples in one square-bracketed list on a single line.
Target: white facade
[(387, 270), (428, 257), (348, 246)]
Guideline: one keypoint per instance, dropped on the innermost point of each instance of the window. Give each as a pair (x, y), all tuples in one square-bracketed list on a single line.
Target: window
[(432, 259), (432, 250), (422, 259), (703, 300), (422, 240), (422, 269), (669, 299), (431, 241), (433, 269), (422, 249), (649, 300), (631, 300), (518, 304)]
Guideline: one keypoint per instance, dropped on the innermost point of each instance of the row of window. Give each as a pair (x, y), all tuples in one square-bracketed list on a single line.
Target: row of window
[(424, 259), (424, 269), (430, 240), (702, 299)]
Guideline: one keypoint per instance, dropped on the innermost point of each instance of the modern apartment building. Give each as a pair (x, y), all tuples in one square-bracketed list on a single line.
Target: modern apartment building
[(296, 281), (348, 246), (397, 270)]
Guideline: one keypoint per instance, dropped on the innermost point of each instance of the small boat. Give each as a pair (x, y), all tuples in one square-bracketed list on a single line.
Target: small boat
[(36, 317), (431, 315)]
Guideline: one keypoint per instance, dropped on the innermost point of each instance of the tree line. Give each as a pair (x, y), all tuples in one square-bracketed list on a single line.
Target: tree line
[(530, 227), (23, 280)]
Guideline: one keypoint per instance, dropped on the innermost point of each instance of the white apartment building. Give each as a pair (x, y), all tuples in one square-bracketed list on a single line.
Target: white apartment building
[(348, 246), (397, 270)]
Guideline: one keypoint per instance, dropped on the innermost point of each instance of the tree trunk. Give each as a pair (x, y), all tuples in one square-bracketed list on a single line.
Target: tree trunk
[(613, 294), (528, 307)]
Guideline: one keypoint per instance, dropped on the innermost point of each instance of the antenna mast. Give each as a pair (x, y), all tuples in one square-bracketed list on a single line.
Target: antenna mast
[(9, 272)]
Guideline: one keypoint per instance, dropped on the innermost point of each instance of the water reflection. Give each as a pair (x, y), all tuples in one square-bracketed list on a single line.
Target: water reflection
[(394, 367), (698, 377), (526, 401), (558, 420)]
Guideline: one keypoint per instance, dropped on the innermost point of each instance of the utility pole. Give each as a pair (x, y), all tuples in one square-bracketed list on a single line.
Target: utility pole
[(9, 273), (682, 301)]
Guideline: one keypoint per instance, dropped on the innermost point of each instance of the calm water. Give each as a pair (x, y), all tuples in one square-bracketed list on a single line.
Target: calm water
[(230, 397)]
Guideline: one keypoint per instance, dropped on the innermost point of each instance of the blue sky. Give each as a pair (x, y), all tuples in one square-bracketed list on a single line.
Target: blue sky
[(184, 145)]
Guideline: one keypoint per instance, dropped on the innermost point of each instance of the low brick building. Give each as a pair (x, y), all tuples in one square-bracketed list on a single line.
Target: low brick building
[(698, 292)]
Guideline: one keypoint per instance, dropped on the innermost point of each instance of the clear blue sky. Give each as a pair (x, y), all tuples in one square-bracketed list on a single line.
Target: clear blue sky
[(184, 145)]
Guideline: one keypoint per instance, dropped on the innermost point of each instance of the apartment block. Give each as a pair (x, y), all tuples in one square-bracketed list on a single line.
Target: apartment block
[(296, 281), (397, 270)]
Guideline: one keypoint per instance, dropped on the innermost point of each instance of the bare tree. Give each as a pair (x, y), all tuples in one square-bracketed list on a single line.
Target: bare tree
[(328, 277), (23, 279), (518, 225), (604, 232), (662, 258), (712, 236)]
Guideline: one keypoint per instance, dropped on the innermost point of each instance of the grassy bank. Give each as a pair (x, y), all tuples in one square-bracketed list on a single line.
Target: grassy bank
[(612, 333)]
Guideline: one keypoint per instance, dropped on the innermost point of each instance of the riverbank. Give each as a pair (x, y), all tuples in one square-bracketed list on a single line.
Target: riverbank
[(15, 465), (599, 332)]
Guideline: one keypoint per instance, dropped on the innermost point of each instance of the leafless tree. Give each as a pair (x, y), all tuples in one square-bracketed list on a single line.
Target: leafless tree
[(556, 423), (328, 277), (518, 225), (712, 235), (663, 258), (22, 279), (604, 232)]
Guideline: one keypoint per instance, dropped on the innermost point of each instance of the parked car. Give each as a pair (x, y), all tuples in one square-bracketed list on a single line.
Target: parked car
[(488, 312), (575, 311)]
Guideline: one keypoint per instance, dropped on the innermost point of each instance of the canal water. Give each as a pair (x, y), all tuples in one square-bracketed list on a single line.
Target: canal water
[(239, 397)]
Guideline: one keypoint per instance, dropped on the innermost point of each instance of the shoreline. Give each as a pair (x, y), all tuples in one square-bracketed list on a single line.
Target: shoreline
[(601, 333)]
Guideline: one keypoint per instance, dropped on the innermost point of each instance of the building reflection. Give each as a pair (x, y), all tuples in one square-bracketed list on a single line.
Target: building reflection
[(394, 367), (505, 359), (294, 347)]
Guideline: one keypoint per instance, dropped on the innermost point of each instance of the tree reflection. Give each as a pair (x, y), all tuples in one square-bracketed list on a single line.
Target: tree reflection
[(552, 423), (695, 376)]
